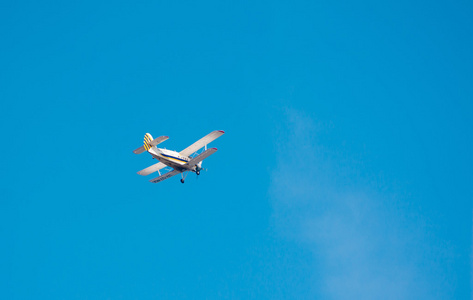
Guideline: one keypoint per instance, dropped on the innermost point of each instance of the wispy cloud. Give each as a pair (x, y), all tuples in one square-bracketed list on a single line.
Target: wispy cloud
[(362, 248)]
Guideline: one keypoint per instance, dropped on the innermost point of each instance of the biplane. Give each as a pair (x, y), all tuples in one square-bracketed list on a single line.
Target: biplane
[(173, 162)]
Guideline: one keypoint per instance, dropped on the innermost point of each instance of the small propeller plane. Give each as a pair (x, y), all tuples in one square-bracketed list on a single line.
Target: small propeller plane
[(176, 162)]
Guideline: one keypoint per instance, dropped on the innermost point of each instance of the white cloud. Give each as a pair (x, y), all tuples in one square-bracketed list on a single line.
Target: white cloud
[(362, 247)]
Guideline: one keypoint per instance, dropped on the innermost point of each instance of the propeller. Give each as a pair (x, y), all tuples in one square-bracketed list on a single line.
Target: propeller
[(199, 168)]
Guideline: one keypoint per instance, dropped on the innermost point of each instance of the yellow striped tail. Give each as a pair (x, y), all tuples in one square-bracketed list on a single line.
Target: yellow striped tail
[(147, 140)]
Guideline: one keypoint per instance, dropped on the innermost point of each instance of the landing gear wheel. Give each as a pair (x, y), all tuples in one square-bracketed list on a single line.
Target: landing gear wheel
[(197, 172), (182, 180)]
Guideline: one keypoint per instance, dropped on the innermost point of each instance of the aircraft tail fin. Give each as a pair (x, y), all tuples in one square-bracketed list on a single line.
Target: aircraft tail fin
[(147, 141)]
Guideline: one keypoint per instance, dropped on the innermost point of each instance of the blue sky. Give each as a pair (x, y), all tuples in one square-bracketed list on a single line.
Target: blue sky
[(344, 173)]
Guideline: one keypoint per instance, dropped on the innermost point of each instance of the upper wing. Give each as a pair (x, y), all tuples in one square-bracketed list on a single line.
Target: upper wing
[(200, 157), (154, 142), (202, 142), (164, 176), (152, 169)]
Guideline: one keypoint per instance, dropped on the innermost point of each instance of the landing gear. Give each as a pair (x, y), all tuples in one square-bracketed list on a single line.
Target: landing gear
[(197, 172), (183, 176)]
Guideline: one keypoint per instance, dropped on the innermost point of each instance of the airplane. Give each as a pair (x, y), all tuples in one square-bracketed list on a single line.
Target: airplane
[(188, 160)]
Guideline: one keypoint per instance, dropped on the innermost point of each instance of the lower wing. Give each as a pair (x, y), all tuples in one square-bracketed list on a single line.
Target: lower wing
[(164, 176), (152, 169), (200, 157)]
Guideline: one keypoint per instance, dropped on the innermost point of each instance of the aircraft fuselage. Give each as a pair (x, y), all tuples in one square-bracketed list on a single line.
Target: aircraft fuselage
[(171, 158)]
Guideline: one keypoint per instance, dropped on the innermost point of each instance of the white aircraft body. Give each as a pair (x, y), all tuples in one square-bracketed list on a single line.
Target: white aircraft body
[(180, 162)]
